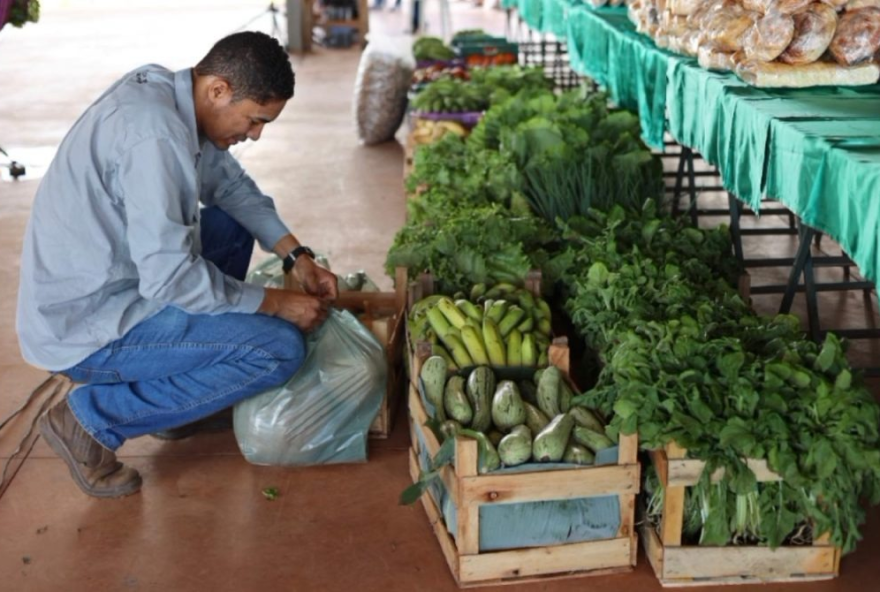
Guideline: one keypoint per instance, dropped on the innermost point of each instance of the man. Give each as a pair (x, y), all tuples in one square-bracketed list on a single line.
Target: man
[(129, 287)]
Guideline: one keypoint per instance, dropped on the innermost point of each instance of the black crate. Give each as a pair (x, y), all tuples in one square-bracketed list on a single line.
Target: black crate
[(553, 57)]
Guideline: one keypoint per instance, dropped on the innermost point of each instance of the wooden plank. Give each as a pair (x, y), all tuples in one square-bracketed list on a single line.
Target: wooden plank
[(673, 516), (673, 450), (551, 485), (468, 508), (658, 458), (627, 515), (686, 473), (653, 547), (753, 562), (628, 449), (435, 517), (740, 581), (558, 355), (400, 281), (516, 564)]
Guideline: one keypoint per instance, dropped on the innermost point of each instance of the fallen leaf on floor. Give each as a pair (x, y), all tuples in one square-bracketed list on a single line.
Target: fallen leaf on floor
[(271, 493)]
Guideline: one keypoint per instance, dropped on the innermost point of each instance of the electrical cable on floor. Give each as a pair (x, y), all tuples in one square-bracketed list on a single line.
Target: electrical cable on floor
[(43, 407)]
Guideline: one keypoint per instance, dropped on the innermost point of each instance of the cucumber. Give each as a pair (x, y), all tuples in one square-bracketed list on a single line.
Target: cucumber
[(577, 454), (487, 457), (586, 418), (535, 418), (565, 395), (433, 380), (480, 389), (548, 391), (550, 444), (455, 401), (508, 410), (516, 447), (592, 440)]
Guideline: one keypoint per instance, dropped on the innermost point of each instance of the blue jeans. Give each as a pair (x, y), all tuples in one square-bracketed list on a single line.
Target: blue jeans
[(175, 368)]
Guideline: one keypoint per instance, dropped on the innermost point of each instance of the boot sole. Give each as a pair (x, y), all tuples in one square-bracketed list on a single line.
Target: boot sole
[(57, 444)]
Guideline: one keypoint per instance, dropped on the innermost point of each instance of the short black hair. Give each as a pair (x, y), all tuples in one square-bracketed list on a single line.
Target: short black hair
[(254, 64)]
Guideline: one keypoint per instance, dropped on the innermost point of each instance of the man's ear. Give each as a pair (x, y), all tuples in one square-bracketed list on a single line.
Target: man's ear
[(219, 90)]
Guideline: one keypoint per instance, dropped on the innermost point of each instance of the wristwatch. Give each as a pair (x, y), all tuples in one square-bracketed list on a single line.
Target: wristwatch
[(291, 258)]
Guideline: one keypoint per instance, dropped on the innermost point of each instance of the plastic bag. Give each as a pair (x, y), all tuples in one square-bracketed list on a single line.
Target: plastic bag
[(776, 75), (711, 59), (813, 31), (788, 7), (323, 414), (857, 37), (725, 31), (381, 86), (769, 37)]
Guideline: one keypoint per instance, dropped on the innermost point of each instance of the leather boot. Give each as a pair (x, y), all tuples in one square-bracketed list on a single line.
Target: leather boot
[(93, 467)]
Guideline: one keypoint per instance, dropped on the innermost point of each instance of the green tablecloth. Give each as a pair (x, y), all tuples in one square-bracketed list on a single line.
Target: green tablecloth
[(603, 44), (815, 150)]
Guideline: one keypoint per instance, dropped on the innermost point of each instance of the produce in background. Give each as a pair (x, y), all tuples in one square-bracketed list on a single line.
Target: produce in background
[(537, 419), (431, 49), (451, 95), (426, 131), (503, 326), (434, 72), (464, 246), (573, 154)]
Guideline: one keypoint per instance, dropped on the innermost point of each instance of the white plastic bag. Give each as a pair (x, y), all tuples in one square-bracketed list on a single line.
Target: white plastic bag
[(383, 79), (323, 414)]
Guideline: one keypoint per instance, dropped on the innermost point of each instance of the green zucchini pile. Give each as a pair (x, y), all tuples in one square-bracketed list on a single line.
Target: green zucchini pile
[(501, 326), (514, 422)]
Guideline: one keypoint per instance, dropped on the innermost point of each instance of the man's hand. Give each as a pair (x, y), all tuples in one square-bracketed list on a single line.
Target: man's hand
[(315, 279), (303, 310)]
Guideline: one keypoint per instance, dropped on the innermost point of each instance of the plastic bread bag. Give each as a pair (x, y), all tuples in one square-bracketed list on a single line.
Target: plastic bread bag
[(836, 4), (857, 37), (769, 37), (691, 42), (381, 86), (777, 75), (700, 18), (781, 6), (711, 59), (859, 4), (726, 30), (683, 7), (673, 25), (322, 415), (813, 31)]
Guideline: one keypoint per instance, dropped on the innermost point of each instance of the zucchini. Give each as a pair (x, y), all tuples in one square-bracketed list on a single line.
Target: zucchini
[(565, 395), (586, 418), (516, 447), (578, 454), (455, 401), (433, 380), (508, 410), (487, 457), (550, 444), (449, 428), (535, 418), (480, 389), (548, 391), (592, 440)]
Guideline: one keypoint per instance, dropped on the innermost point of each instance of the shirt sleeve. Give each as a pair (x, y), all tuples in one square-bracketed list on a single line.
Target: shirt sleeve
[(225, 184), (159, 187)]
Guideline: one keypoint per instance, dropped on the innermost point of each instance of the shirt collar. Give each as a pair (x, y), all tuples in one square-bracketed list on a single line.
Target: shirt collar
[(183, 96)]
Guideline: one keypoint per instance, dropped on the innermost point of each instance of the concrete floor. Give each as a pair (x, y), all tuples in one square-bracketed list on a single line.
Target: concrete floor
[(200, 522)]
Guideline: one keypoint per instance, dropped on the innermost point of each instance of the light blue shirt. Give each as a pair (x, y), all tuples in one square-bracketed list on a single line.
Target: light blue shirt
[(113, 235)]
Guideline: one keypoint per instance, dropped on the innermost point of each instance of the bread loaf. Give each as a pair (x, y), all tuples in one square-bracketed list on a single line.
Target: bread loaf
[(813, 31), (725, 31), (771, 34), (857, 37), (775, 75)]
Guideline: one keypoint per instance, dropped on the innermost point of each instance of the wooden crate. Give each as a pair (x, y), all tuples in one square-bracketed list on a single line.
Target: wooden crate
[(470, 490), (678, 565), (384, 314)]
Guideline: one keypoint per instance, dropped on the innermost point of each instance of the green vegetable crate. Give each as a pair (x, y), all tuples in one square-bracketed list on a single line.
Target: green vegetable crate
[(690, 565), (475, 496), (384, 314)]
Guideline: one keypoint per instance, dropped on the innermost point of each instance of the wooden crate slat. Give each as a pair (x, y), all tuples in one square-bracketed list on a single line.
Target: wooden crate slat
[(551, 485), (435, 517), (688, 472), (432, 445), (505, 565), (755, 562)]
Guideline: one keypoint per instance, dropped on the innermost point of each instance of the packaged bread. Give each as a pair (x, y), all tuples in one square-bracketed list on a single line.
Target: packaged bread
[(712, 59), (859, 4), (769, 37), (813, 31), (726, 29), (682, 7), (837, 4), (777, 75), (699, 18), (857, 37), (691, 42), (673, 25), (783, 6)]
